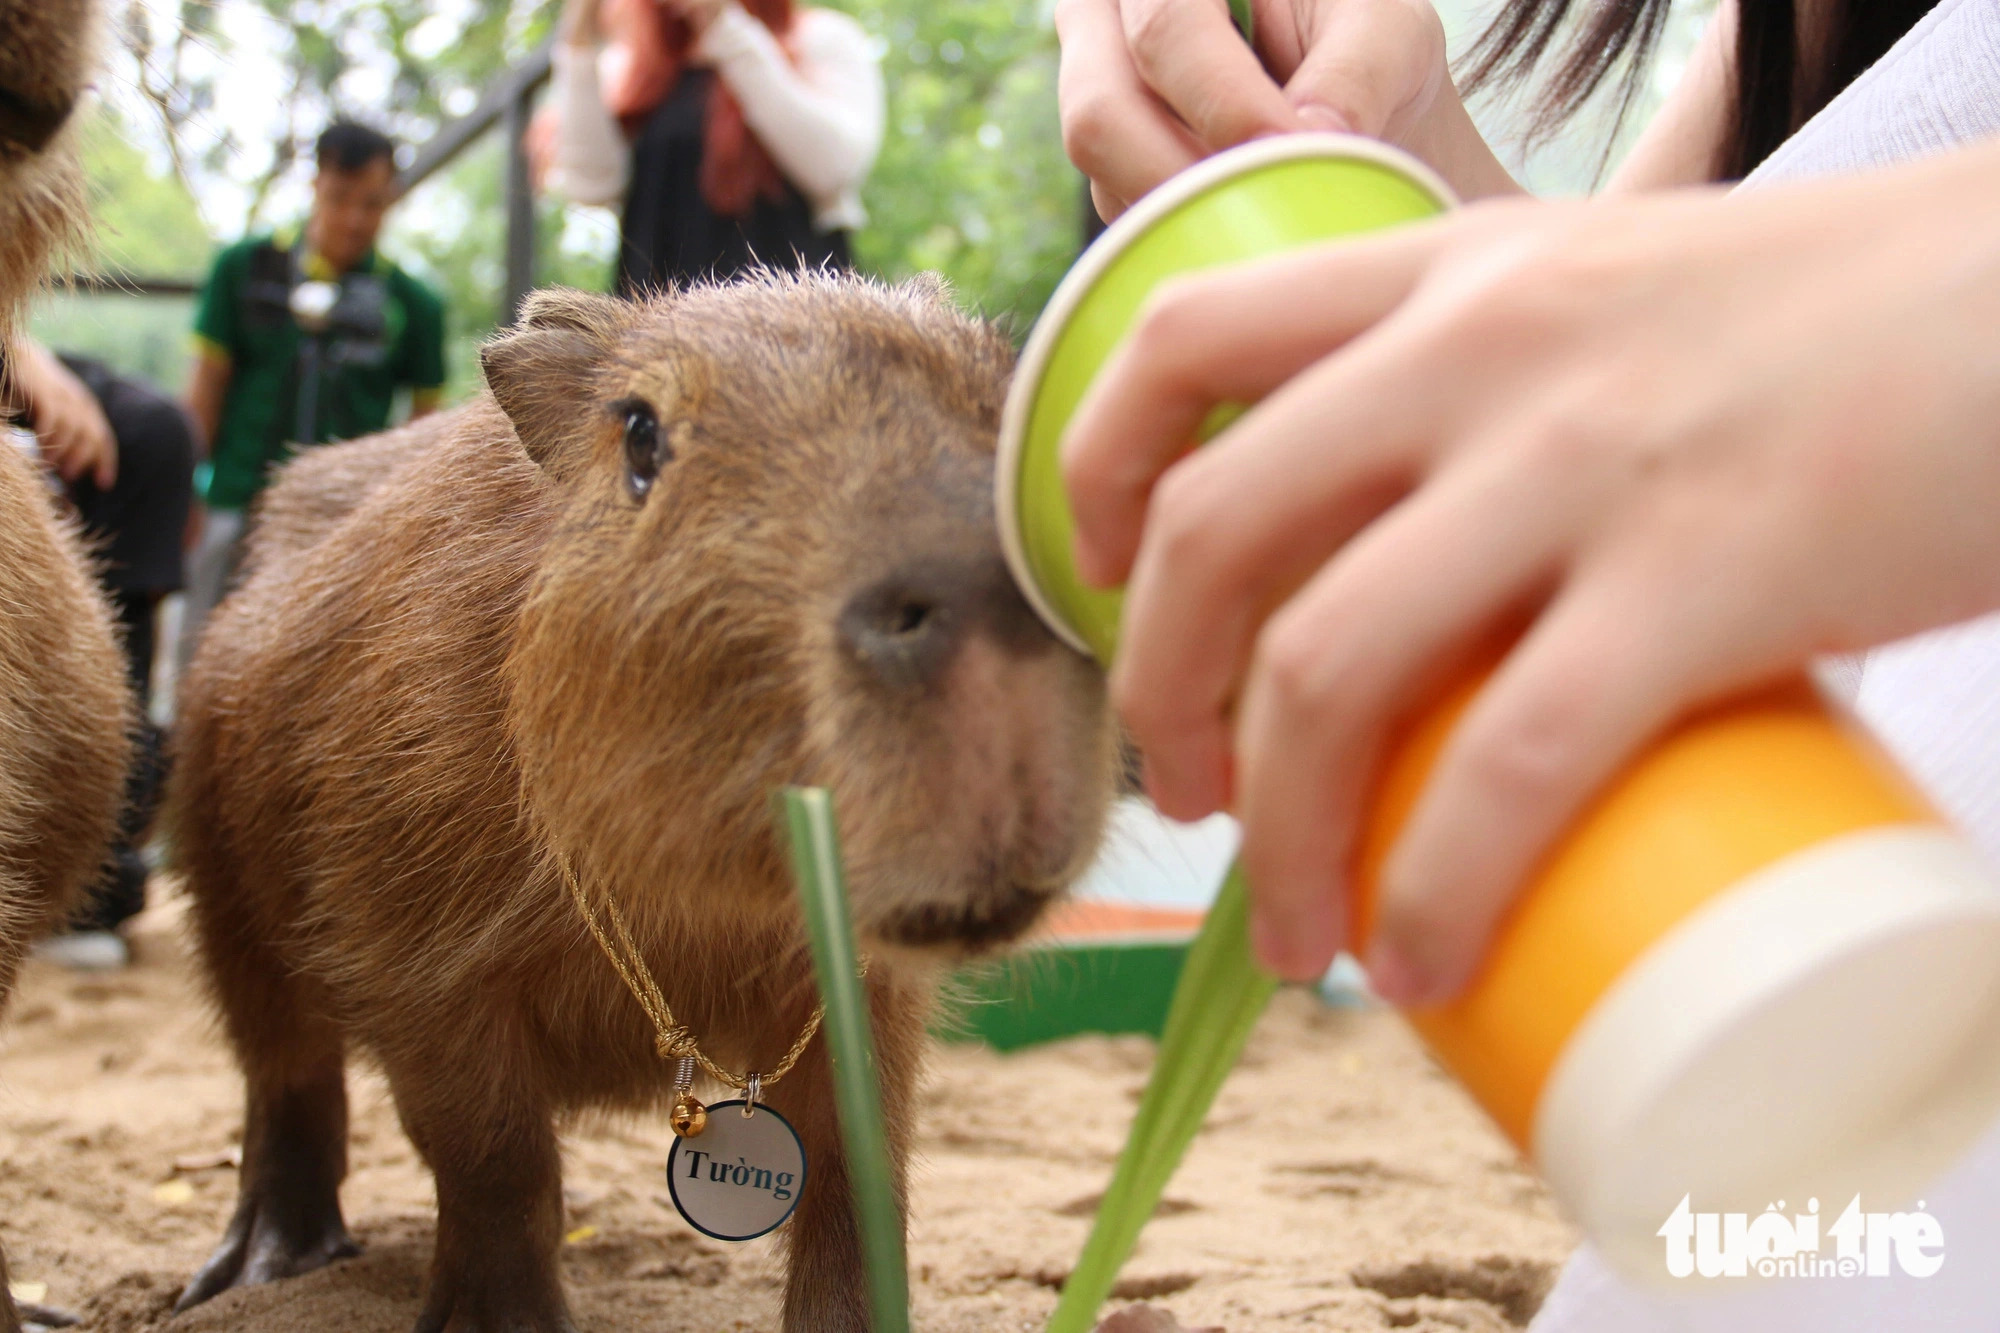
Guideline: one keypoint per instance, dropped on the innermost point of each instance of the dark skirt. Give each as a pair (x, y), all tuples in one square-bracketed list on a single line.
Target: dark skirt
[(670, 236)]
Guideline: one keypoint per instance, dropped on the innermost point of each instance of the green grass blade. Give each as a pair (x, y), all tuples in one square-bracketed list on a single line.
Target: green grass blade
[(822, 880), (1219, 998)]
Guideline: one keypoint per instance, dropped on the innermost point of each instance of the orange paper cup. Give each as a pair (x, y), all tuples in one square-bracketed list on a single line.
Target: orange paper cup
[(1757, 969)]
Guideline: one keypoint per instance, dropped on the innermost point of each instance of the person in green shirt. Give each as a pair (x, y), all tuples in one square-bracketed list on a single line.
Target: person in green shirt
[(302, 339)]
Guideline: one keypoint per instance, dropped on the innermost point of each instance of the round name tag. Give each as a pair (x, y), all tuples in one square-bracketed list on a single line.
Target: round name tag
[(741, 1176)]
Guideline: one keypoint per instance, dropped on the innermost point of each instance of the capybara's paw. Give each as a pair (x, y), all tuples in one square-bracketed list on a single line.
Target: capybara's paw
[(267, 1241), (34, 1314)]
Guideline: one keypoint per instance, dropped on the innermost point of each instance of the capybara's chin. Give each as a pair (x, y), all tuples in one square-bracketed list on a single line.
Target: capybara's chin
[(968, 925)]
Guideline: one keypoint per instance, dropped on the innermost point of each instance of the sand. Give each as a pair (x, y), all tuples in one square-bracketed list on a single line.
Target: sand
[(1340, 1183)]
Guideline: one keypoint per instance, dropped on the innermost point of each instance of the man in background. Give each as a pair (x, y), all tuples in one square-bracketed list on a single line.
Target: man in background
[(300, 339)]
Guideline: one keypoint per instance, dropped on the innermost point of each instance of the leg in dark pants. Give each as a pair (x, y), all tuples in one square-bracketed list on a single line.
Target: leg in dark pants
[(137, 524)]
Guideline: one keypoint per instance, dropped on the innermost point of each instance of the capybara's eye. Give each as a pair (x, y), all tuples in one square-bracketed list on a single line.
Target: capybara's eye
[(642, 448)]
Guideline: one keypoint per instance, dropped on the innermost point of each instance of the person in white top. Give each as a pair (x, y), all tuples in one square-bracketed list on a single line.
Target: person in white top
[(728, 134)]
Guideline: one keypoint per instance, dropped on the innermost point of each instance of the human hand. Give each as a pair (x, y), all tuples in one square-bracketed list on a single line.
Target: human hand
[(70, 427), (1678, 444), (1148, 87)]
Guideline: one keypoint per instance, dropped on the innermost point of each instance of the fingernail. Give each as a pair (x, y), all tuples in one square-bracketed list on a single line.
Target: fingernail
[(1319, 116), (1395, 976), (1172, 793), (1267, 941), (1296, 947)]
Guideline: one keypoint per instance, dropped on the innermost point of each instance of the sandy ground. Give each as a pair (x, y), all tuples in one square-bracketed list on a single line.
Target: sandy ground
[(1340, 1183)]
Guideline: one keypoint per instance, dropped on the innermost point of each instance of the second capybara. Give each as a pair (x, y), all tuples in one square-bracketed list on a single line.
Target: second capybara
[(64, 707), (64, 725), (688, 550)]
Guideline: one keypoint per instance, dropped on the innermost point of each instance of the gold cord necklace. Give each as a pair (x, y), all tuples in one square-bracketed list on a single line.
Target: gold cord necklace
[(672, 1041)]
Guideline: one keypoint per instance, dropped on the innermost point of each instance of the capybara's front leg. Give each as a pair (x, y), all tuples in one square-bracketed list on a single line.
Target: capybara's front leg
[(826, 1290), (500, 1210), (287, 1218)]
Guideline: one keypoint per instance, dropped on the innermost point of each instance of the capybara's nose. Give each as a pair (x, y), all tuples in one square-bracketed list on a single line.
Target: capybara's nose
[(904, 629)]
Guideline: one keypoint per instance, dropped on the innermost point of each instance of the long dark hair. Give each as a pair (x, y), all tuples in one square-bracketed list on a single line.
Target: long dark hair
[(1775, 91)]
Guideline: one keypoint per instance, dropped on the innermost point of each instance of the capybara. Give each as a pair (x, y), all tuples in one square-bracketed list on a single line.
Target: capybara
[(687, 550), (64, 725), (47, 54)]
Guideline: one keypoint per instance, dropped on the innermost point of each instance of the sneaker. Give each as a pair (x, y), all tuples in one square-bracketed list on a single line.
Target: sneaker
[(86, 950)]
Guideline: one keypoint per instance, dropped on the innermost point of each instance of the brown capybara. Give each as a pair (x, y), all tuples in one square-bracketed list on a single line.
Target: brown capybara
[(688, 550), (64, 725), (64, 707)]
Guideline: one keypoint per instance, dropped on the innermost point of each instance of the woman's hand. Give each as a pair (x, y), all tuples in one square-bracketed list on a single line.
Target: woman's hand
[(1149, 86), (70, 427), (1677, 443)]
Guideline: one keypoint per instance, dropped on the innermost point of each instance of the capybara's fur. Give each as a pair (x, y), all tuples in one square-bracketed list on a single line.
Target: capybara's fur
[(63, 725), (513, 645), (323, 486), (64, 705), (47, 53)]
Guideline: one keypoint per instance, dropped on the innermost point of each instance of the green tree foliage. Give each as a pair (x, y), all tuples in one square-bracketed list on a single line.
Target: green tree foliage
[(145, 219), (145, 222), (452, 231), (972, 181)]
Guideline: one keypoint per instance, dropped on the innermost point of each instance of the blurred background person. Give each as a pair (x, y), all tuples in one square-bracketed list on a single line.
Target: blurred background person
[(729, 134), (123, 453), (300, 339)]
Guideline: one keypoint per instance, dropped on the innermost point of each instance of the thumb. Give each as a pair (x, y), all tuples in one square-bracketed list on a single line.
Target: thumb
[(1370, 69)]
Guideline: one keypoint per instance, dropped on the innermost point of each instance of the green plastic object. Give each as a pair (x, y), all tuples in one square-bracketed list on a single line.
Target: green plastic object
[(1065, 990), (822, 880), (1221, 994)]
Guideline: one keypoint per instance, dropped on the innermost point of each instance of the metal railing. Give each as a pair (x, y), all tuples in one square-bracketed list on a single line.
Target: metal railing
[(509, 101)]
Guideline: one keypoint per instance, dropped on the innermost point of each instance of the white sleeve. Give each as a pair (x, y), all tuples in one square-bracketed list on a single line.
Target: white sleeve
[(592, 161), (821, 121)]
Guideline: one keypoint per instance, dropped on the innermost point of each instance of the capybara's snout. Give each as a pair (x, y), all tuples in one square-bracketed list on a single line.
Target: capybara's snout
[(972, 758), (904, 630)]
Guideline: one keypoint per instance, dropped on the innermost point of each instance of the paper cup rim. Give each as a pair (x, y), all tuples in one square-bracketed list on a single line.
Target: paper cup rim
[(1083, 277)]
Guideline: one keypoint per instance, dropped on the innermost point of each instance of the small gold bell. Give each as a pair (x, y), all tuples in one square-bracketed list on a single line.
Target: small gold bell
[(689, 1117)]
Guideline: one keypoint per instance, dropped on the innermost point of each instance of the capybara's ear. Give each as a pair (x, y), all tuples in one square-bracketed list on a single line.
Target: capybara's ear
[(541, 370)]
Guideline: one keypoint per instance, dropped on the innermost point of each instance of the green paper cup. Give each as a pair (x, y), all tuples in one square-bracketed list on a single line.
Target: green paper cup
[(1261, 199)]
